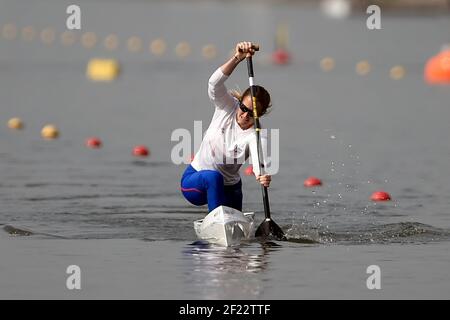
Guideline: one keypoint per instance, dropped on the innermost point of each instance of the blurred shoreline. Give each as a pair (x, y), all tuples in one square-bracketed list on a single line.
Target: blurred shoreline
[(360, 6), (412, 6)]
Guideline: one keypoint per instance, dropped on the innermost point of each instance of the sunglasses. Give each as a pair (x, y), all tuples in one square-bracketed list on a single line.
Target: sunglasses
[(244, 109)]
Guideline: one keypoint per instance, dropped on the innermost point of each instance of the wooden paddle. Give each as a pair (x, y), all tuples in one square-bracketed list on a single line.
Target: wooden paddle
[(268, 228)]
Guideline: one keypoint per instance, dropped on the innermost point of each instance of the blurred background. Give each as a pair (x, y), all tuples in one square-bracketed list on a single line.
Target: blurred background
[(361, 100), (363, 110)]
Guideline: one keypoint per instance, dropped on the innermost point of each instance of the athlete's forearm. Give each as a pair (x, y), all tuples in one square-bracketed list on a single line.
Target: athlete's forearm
[(229, 66)]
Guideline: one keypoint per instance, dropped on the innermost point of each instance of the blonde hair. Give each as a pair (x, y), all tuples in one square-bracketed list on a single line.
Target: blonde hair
[(262, 96), (237, 94)]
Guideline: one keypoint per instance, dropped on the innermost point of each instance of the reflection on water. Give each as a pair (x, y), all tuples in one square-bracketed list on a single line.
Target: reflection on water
[(213, 272)]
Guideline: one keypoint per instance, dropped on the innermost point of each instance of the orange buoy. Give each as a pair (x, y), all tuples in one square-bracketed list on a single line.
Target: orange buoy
[(93, 143), (380, 196), (437, 69), (312, 182), (141, 151), (281, 57), (249, 171)]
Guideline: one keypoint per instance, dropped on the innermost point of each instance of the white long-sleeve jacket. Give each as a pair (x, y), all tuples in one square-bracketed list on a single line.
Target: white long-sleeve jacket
[(225, 146)]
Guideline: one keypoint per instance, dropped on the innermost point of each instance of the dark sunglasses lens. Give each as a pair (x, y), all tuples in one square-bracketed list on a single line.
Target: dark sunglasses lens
[(245, 109)]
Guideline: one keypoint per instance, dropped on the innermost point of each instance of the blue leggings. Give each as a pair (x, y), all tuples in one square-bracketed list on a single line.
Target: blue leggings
[(206, 187)]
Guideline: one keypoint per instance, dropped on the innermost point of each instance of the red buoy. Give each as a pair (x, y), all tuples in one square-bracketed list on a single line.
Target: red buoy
[(93, 143), (312, 182), (192, 158), (141, 151), (249, 171), (281, 57), (437, 69), (380, 196)]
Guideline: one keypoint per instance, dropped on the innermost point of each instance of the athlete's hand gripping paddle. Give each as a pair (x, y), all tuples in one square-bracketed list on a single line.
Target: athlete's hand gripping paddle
[(254, 47)]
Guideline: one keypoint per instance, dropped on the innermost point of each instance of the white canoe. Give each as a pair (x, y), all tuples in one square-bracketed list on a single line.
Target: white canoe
[(225, 226)]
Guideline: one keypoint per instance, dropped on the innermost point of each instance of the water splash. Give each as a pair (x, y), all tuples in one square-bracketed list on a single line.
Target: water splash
[(302, 234), (402, 232)]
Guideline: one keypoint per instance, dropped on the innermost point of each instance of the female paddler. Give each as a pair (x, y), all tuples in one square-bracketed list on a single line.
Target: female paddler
[(213, 176)]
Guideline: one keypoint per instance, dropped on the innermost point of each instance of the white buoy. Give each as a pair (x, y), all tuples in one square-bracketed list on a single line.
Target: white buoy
[(88, 39), (183, 49), (327, 64), (397, 72), (48, 35), (337, 9), (68, 38), (111, 42), (28, 33), (158, 47), (134, 44), (363, 67)]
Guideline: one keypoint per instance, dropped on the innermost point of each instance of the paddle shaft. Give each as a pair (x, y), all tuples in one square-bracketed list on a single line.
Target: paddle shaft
[(265, 193)]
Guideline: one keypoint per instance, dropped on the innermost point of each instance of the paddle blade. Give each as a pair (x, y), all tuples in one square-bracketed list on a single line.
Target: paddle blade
[(269, 229)]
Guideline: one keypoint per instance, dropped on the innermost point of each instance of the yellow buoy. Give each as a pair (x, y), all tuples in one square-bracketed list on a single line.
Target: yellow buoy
[(209, 51), (9, 31), (68, 38), (48, 35), (363, 68), (134, 44), (327, 64), (397, 72), (282, 36), (88, 39), (102, 69), (183, 49), (111, 42), (158, 47), (28, 33), (50, 132), (15, 123)]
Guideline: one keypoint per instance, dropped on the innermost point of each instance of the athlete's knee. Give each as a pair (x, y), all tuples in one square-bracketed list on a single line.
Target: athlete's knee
[(194, 197)]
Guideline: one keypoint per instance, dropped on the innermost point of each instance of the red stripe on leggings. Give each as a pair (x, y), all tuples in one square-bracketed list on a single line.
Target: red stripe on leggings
[(191, 189)]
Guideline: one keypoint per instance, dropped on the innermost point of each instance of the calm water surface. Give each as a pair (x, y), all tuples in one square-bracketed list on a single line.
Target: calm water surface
[(124, 220)]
